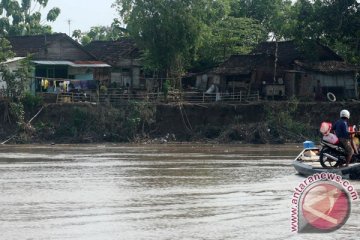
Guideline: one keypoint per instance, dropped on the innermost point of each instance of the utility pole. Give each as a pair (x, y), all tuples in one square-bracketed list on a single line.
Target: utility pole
[(69, 23)]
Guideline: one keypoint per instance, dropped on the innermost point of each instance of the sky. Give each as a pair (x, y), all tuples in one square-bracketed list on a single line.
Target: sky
[(83, 14)]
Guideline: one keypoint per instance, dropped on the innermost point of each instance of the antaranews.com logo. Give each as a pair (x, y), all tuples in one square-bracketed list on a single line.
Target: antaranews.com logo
[(321, 203)]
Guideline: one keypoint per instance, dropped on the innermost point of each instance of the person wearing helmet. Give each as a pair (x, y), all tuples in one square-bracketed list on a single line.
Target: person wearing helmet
[(341, 130)]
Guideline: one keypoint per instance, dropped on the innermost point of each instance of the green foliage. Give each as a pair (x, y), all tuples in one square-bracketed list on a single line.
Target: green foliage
[(138, 116), (17, 113), (77, 124), (80, 118), (31, 102), (168, 31), (101, 33), (5, 50), (21, 19), (81, 123), (183, 34), (283, 121), (53, 14), (271, 14), (17, 81), (230, 36), (310, 20)]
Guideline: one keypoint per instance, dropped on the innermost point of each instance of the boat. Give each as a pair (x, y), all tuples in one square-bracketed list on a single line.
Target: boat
[(307, 163)]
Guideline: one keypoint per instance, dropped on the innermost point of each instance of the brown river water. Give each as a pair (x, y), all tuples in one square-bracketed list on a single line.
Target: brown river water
[(170, 191)]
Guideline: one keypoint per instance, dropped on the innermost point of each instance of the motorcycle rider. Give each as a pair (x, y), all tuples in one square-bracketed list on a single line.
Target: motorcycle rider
[(341, 130)]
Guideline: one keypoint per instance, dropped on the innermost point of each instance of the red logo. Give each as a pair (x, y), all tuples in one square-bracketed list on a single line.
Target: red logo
[(325, 207)]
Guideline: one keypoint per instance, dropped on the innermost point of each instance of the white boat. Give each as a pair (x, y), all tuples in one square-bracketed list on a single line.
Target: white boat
[(307, 163)]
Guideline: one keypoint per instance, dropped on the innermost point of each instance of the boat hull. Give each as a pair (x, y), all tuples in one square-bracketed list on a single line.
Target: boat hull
[(307, 166)]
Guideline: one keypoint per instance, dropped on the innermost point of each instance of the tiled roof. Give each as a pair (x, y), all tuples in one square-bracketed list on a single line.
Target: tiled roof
[(33, 44), (327, 66), (289, 51), (112, 51), (240, 64)]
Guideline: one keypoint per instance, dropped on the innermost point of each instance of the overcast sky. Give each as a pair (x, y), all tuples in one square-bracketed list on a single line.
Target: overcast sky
[(82, 13)]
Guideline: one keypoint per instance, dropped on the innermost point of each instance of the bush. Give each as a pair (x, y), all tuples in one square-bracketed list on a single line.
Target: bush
[(31, 102)]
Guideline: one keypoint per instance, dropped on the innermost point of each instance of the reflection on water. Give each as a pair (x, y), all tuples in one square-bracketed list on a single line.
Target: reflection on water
[(151, 192)]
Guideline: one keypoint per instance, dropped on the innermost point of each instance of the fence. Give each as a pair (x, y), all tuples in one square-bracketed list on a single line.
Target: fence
[(114, 96)]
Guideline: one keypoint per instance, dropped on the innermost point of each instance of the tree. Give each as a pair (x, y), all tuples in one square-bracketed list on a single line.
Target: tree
[(5, 50), (101, 33), (21, 19), (342, 32), (5, 54), (168, 31), (310, 20), (17, 81), (16, 86), (230, 36), (271, 14)]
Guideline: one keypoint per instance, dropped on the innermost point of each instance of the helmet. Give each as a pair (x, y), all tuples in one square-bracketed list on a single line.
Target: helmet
[(345, 113)]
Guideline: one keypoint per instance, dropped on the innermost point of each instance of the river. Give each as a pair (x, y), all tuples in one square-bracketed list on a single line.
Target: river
[(135, 192)]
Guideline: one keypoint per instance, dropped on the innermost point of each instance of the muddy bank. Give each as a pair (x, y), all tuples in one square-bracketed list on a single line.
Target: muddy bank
[(263, 122)]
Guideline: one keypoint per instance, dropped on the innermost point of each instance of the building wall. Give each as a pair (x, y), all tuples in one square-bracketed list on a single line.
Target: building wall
[(130, 77), (82, 73), (289, 82), (136, 78), (335, 81), (121, 79), (204, 81), (304, 84)]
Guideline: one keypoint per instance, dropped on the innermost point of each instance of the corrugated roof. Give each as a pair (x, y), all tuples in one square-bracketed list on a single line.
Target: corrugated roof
[(93, 64), (90, 64), (12, 60)]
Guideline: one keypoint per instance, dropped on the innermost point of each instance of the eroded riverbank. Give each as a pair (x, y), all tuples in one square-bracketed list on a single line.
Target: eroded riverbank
[(262, 122)]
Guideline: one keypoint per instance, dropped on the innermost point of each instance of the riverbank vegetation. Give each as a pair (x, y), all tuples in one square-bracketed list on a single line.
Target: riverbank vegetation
[(263, 122)]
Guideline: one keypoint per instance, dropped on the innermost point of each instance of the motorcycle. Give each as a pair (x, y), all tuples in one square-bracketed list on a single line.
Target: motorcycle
[(332, 154)]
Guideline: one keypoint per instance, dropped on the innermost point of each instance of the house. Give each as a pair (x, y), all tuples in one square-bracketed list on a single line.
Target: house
[(307, 72), (240, 72), (60, 62), (124, 57), (300, 73)]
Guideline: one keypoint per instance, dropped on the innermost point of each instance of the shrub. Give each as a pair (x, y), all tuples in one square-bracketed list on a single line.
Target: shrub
[(31, 102)]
